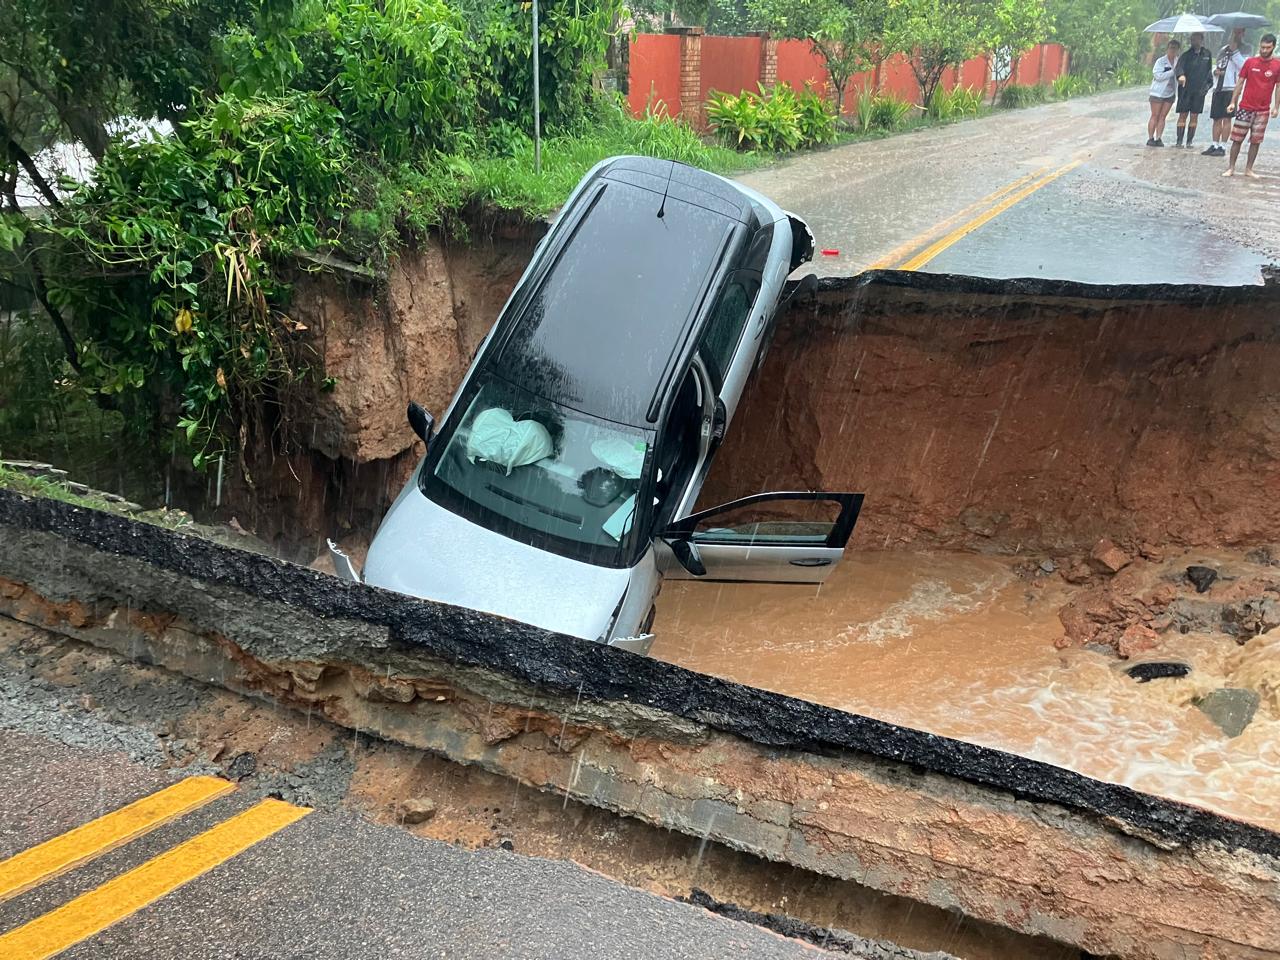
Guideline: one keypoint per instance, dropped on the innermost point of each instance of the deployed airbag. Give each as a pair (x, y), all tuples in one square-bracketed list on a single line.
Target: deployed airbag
[(499, 438)]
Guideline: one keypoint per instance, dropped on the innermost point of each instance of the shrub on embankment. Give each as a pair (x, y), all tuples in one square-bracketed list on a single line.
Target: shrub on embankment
[(345, 126)]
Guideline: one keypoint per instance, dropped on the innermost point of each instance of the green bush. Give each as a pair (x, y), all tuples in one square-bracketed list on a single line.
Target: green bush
[(817, 118), (1023, 95), (955, 104), (176, 288), (1070, 85), (882, 111), (773, 119)]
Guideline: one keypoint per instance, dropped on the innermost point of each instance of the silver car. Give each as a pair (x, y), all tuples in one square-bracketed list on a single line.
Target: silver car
[(561, 485)]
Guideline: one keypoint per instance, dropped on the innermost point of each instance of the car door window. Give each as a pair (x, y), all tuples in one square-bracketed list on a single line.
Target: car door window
[(771, 522), (728, 318)]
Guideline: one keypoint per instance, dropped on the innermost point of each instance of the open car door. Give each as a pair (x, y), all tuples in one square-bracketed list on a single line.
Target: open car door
[(768, 537)]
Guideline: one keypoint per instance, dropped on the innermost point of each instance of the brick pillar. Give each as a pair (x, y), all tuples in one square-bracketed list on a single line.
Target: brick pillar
[(768, 57), (692, 108)]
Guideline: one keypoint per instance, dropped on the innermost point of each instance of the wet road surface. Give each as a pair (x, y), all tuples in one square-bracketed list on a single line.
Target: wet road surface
[(283, 882), (1065, 190)]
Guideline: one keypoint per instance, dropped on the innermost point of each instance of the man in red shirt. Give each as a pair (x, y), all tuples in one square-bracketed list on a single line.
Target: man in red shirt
[(1254, 103)]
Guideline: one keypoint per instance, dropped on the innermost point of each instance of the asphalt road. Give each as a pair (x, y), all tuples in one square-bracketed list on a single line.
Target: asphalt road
[(1066, 190), (318, 884)]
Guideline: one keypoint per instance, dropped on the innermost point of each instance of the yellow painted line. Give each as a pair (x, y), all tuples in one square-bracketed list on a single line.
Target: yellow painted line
[(903, 249), (918, 261), (54, 857), (92, 912)]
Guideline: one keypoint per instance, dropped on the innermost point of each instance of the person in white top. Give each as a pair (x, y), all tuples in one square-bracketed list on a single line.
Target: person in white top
[(1226, 72), (1164, 87)]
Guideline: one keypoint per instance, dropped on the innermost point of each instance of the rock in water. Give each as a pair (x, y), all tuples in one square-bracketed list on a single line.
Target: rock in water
[(1231, 708), (1158, 670), (1202, 577)]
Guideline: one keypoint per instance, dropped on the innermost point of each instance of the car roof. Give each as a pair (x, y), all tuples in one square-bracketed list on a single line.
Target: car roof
[(609, 314)]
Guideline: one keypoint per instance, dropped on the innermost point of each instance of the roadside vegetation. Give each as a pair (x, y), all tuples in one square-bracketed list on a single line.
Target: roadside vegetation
[(296, 128)]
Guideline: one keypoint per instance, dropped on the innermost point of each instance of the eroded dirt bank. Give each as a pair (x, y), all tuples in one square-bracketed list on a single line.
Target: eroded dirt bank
[(1011, 417)]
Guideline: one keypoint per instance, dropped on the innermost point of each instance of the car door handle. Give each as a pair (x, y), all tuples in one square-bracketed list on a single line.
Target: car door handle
[(812, 562)]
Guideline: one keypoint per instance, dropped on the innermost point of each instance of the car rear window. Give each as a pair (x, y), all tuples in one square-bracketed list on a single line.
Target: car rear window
[(599, 332)]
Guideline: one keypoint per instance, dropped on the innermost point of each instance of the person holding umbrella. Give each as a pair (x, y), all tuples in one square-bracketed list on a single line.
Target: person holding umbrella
[(1230, 59), (1195, 77)]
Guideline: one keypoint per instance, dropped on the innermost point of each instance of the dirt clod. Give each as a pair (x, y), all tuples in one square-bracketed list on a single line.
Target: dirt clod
[(417, 810), (1106, 557)]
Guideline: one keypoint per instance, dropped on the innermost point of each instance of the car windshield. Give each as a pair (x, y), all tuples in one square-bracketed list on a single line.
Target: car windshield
[(541, 473)]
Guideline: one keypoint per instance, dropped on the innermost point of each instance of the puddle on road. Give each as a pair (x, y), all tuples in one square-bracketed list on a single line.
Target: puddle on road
[(961, 645)]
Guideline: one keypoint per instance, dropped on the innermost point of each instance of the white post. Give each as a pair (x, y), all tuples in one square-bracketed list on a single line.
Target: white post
[(537, 99)]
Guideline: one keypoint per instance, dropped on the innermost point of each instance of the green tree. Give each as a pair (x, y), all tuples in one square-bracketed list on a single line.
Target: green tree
[(1010, 28), (842, 32), (1104, 37), (935, 35)]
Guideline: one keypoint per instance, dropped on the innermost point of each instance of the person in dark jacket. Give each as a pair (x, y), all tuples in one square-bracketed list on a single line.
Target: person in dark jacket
[(1195, 77)]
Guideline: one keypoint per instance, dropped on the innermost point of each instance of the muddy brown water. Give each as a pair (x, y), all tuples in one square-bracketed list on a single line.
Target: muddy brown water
[(962, 645)]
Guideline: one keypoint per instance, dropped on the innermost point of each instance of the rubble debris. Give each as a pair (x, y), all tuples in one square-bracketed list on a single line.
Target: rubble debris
[(1231, 708), (1158, 670), (1048, 566), (1106, 557), (1201, 577), (1267, 555), (242, 765), (417, 810), (1078, 572)]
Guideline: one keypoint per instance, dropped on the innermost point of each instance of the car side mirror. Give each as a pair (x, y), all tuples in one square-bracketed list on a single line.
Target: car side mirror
[(690, 557), (422, 422)]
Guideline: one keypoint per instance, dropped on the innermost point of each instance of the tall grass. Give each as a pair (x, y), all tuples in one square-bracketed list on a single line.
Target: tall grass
[(955, 104), (508, 181), (882, 111)]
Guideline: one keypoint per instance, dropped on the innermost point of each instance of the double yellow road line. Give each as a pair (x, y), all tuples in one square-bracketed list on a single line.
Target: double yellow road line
[(94, 911), (918, 251)]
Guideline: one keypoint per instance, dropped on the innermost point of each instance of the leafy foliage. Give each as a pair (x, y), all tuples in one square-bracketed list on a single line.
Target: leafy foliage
[(573, 38), (955, 104), (883, 111), (817, 118), (1104, 36), (351, 124), (774, 119), (1024, 94), (170, 256), (842, 32), (935, 35), (1011, 27)]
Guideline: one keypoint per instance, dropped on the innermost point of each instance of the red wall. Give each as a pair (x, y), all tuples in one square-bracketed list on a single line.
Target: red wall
[(730, 64), (655, 70)]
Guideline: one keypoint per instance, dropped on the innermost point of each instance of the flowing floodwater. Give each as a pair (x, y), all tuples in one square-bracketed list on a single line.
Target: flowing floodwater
[(963, 645)]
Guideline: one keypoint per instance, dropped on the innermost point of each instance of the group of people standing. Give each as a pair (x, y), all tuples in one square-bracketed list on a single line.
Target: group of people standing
[(1245, 95)]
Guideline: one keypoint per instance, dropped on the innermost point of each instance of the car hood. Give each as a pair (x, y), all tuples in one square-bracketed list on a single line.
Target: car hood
[(426, 551)]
